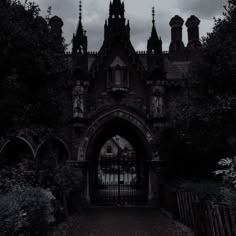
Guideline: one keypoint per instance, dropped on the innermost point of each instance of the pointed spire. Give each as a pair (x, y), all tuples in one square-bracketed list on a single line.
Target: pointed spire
[(80, 39), (117, 9), (116, 2), (154, 31), (154, 42), (80, 15), (153, 15), (80, 25), (80, 10)]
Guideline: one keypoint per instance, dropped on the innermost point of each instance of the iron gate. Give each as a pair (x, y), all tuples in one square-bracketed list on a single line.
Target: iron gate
[(118, 181)]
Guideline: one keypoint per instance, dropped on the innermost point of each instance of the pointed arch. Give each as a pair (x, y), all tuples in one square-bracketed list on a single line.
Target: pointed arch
[(128, 117), (53, 150), (16, 150)]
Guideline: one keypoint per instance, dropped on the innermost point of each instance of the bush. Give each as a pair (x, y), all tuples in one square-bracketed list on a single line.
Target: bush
[(209, 191), (26, 209)]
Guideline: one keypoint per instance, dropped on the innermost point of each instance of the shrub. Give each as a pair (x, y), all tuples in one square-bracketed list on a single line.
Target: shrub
[(208, 190), (26, 209), (228, 172)]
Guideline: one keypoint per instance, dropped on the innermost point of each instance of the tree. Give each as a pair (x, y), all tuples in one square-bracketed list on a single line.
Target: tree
[(210, 107), (33, 67), (228, 172), (219, 53)]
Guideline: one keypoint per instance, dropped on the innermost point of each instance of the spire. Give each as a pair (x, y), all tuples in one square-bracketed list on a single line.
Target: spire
[(153, 15), (80, 11), (80, 38), (117, 9), (116, 25), (116, 2), (154, 45), (80, 25), (154, 31)]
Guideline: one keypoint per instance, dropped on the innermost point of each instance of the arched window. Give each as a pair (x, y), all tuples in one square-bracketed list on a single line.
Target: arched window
[(118, 76), (118, 79)]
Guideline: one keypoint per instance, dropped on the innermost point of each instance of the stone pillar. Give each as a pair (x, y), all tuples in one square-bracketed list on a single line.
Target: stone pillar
[(155, 167), (82, 194)]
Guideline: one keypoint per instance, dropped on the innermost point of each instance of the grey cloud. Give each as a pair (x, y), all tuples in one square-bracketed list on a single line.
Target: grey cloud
[(205, 9), (141, 30), (137, 11)]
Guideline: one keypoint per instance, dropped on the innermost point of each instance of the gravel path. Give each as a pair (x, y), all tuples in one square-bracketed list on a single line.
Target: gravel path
[(124, 222)]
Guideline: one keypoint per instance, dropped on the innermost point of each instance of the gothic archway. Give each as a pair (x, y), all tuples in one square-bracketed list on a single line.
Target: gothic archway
[(139, 137), (16, 150), (51, 152)]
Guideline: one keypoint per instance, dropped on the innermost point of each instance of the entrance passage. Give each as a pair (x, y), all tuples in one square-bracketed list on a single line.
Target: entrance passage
[(125, 222), (118, 179)]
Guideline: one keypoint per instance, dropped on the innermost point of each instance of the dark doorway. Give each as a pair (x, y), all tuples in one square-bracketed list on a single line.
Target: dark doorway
[(118, 174), (118, 157)]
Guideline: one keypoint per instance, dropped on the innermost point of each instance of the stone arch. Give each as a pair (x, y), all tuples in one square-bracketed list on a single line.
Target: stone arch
[(107, 117), (15, 150), (53, 150), (130, 127)]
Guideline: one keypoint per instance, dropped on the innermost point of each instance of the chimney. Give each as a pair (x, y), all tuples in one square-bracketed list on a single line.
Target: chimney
[(193, 32), (56, 24), (176, 25)]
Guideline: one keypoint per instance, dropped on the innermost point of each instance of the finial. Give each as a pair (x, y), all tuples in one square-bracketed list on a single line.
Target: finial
[(80, 10), (153, 15)]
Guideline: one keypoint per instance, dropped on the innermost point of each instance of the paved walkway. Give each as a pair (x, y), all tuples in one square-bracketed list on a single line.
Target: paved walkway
[(125, 222)]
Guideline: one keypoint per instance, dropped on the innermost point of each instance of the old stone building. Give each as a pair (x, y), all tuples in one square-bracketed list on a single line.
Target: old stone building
[(119, 91), (116, 91)]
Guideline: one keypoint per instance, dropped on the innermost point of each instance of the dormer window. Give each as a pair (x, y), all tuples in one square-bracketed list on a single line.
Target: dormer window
[(118, 76)]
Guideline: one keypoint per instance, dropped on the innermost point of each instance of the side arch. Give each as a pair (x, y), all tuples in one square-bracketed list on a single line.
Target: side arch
[(54, 150), (15, 150)]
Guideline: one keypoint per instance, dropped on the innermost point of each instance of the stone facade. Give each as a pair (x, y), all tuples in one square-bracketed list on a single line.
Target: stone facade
[(118, 91)]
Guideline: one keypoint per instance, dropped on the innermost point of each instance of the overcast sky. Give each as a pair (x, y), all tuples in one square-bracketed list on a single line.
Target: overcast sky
[(138, 12)]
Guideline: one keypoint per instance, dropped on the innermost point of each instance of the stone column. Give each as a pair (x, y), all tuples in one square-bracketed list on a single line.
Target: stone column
[(155, 179)]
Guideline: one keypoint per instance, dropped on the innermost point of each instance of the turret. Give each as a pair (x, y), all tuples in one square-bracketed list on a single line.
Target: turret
[(80, 43), (56, 24), (193, 32), (176, 25), (117, 9), (116, 25), (154, 46)]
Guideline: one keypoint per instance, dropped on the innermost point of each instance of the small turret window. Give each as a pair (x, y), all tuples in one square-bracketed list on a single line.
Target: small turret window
[(118, 76)]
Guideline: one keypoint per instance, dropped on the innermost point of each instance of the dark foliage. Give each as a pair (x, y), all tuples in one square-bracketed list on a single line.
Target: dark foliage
[(207, 118), (32, 66)]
